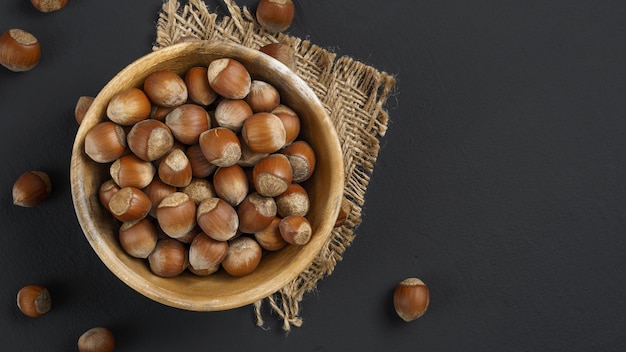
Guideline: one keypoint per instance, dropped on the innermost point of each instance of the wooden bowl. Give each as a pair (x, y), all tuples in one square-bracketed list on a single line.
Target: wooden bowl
[(219, 291)]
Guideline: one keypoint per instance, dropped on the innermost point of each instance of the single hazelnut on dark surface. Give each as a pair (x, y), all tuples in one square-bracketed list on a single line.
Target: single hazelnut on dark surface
[(411, 298), (98, 339), (34, 300), (19, 50), (275, 15), (82, 105), (48, 5), (31, 188)]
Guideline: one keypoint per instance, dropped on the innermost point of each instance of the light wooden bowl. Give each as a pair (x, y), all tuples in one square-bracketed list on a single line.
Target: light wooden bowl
[(218, 291)]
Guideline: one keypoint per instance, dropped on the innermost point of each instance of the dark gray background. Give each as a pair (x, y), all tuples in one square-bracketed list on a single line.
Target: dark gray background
[(500, 182)]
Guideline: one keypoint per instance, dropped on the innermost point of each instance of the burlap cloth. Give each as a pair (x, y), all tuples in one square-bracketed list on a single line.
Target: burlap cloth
[(353, 94)]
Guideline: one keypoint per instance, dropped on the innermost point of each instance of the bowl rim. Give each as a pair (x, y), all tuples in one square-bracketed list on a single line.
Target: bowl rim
[(83, 201)]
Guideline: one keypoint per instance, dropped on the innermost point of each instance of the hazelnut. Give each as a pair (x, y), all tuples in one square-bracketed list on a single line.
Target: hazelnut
[(220, 146), (243, 256), (160, 112), (229, 78), (156, 191), (217, 219), (269, 238), (187, 122), (131, 171), (231, 113), (411, 298), (105, 142), (255, 213), (295, 229), (31, 188), (302, 159), (275, 15), (197, 81), (294, 201), (290, 120), (206, 253), (48, 5), (34, 300), (96, 339), (231, 184), (175, 169), (281, 52), (169, 258), (176, 214), (199, 189), (19, 50), (165, 88), (129, 204), (150, 139), (248, 157), (138, 238), (264, 132), (106, 191), (82, 105), (272, 175), (263, 97), (128, 107), (344, 211), (200, 166)]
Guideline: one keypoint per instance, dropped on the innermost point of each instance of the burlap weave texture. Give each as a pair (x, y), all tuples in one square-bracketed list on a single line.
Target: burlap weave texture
[(353, 95)]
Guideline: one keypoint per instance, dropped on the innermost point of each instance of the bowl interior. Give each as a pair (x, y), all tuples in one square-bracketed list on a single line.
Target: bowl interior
[(218, 291)]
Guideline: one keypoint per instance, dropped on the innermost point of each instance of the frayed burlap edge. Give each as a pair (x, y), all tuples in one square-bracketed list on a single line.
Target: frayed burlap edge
[(353, 95)]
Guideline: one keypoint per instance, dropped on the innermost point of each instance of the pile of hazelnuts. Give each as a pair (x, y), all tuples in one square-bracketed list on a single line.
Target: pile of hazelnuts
[(206, 170)]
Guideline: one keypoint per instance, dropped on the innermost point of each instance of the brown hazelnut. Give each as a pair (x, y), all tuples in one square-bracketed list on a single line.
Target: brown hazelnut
[(248, 157), (160, 112), (344, 211), (128, 107), (175, 169), (411, 298), (272, 175), (290, 120), (243, 256), (98, 339), (206, 252), (197, 81), (200, 166), (31, 188), (264, 132), (176, 214), (229, 78), (106, 191), (275, 15), (302, 159), (129, 204), (231, 184), (199, 189), (281, 52), (82, 105), (220, 146), (150, 139), (295, 229), (263, 97), (48, 5), (165, 88), (138, 238), (34, 300), (255, 213), (217, 219), (169, 258), (105, 142), (131, 171), (231, 113), (19, 50), (156, 191), (294, 201), (269, 238), (187, 122)]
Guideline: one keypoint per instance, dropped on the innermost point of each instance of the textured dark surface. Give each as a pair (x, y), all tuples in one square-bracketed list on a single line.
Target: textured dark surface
[(500, 182)]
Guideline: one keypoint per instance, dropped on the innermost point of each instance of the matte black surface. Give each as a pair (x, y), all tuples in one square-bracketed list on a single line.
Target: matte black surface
[(500, 182)]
